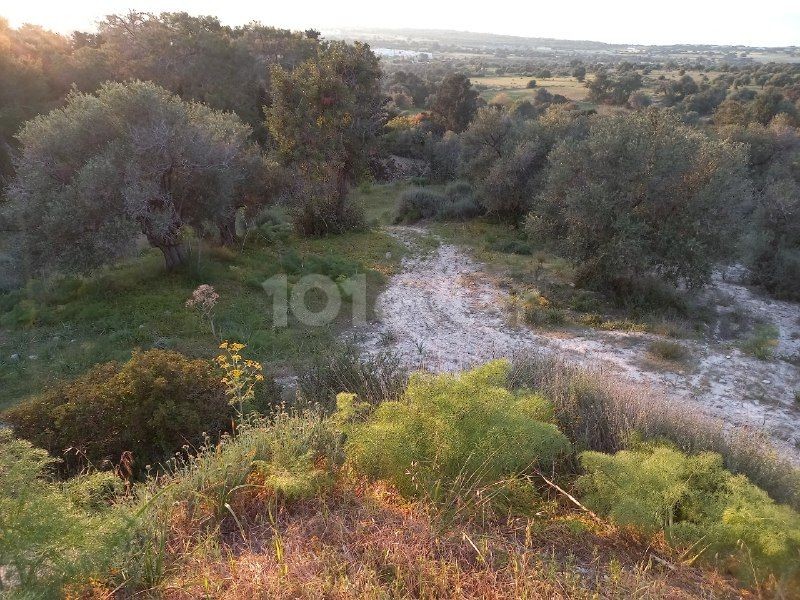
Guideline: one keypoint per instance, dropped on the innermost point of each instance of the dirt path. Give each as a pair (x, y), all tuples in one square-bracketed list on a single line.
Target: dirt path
[(444, 312)]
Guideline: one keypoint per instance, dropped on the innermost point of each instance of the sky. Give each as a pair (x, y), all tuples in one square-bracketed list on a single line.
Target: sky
[(764, 23)]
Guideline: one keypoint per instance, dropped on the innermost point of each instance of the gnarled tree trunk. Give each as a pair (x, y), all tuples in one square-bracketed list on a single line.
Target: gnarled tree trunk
[(167, 239), (227, 231)]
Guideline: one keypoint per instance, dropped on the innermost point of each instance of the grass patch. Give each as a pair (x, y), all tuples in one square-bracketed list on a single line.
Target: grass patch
[(57, 329), (762, 343), (668, 351)]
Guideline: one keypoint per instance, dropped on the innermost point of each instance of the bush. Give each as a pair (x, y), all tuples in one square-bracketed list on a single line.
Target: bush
[(325, 213), (149, 407), (607, 197), (598, 412), (49, 539), (451, 427), (666, 350), (696, 503), (229, 485), (374, 379), (460, 203), (762, 343), (416, 204)]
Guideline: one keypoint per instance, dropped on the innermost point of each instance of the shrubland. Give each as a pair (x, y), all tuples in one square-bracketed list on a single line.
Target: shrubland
[(172, 475), (471, 467)]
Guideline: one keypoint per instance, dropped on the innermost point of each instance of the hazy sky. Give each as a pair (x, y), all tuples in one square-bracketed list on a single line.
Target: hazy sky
[(768, 22)]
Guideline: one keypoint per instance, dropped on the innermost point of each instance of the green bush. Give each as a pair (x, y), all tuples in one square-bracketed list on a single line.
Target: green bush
[(448, 428), (698, 504), (762, 342), (417, 204), (460, 203), (47, 538), (150, 406)]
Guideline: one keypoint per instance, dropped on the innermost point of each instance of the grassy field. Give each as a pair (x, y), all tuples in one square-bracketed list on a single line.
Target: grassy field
[(515, 87), (55, 330)]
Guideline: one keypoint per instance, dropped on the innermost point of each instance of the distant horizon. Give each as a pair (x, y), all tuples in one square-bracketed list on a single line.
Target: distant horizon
[(620, 22)]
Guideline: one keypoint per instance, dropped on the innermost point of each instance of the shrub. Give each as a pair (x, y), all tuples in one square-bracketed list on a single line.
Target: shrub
[(666, 350), (762, 342), (450, 427), (598, 412), (416, 204), (607, 197), (47, 537), (149, 407), (460, 203), (696, 503), (374, 379), (229, 485), (321, 212)]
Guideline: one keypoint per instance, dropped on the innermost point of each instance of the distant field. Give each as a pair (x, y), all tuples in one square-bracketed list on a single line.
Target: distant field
[(515, 87)]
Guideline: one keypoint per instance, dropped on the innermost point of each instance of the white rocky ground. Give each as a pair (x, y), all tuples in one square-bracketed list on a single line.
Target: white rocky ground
[(445, 312)]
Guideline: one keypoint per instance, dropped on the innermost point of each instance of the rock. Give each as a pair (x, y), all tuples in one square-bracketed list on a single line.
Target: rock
[(31, 357), (14, 357), (388, 255), (765, 381)]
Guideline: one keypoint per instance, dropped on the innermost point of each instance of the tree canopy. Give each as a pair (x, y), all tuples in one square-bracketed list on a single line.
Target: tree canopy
[(643, 195), (131, 159)]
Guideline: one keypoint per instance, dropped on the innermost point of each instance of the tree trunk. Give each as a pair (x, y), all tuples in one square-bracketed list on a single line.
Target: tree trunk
[(166, 239), (227, 231), (174, 255)]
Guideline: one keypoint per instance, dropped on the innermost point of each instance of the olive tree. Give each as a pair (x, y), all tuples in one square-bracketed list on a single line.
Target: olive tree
[(130, 160), (643, 195), (455, 102), (324, 121)]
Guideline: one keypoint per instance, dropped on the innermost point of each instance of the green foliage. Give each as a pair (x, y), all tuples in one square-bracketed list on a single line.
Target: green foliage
[(697, 503), (455, 102), (290, 455), (131, 159), (506, 158), (449, 427), (374, 379), (223, 485), (762, 342), (149, 407), (416, 204), (52, 535), (666, 350), (607, 89), (643, 194), (324, 118)]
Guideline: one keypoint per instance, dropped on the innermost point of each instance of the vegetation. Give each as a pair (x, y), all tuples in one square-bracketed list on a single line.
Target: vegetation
[(643, 194), (134, 415), (323, 119), (166, 181), (697, 504), (52, 534), (131, 159), (447, 430)]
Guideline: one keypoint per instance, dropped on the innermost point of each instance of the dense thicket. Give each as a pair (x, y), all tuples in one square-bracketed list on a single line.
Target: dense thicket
[(135, 414)]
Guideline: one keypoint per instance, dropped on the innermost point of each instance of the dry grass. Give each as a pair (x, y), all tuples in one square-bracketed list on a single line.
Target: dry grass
[(363, 541), (515, 87), (599, 412)]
